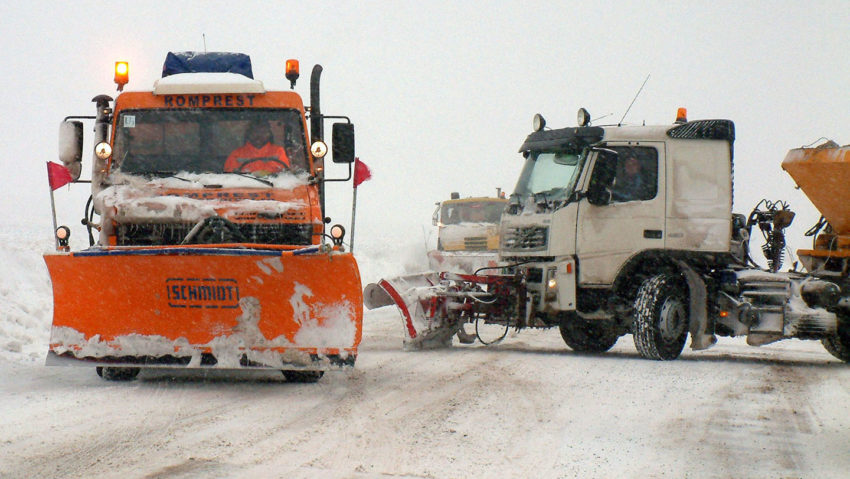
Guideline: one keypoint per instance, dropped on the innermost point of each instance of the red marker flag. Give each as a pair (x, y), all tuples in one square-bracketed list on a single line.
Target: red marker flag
[(57, 175), (361, 172)]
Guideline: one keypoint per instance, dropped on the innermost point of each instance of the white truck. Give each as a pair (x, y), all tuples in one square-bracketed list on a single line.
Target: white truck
[(616, 230)]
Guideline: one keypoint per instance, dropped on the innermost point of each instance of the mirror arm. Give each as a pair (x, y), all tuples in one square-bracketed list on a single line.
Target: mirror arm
[(350, 169)]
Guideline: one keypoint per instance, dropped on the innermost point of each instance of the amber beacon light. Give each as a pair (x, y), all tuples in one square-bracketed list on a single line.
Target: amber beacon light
[(122, 74), (292, 72)]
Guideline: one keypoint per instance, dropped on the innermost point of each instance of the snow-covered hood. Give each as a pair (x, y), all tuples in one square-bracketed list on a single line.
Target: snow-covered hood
[(232, 197)]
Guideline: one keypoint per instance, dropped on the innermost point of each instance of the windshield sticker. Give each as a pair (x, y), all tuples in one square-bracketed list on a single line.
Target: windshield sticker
[(129, 121)]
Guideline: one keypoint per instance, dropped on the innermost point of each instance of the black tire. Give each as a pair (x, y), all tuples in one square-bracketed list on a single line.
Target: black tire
[(838, 344), (661, 317), (117, 374), (303, 376), (587, 336)]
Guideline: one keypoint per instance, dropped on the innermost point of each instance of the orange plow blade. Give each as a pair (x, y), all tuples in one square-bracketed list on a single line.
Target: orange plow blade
[(206, 307)]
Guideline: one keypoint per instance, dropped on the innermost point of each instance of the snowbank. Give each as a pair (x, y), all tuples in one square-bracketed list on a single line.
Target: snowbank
[(25, 293)]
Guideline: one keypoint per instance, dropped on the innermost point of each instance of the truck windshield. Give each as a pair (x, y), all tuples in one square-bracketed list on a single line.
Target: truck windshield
[(471, 212), (552, 174), (200, 140)]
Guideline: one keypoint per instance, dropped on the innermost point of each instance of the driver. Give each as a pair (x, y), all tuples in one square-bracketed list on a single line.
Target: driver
[(259, 154), (629, 186)]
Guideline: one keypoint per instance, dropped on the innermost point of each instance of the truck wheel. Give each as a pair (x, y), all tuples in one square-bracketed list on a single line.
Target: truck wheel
[(661, 318), (303, 376), (587, 336), (117, 374), (838, 344)]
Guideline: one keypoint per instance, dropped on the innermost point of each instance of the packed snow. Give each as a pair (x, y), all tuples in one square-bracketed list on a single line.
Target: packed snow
[(528, 407), (207, 83)]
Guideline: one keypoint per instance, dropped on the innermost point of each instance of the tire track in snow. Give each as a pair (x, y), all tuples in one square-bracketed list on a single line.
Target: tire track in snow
[(392, 430), (97, 443), (755, 426)]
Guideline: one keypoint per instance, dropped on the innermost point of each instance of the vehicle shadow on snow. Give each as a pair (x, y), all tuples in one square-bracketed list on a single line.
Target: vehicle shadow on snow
[(757, 357), (210, 376)]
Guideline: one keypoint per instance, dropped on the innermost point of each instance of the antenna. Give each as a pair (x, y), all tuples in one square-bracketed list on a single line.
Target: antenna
[(633, 101), (204, 35)]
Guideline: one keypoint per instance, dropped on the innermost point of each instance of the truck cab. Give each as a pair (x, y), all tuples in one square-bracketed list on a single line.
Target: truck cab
[(467, 233), (596, 209)]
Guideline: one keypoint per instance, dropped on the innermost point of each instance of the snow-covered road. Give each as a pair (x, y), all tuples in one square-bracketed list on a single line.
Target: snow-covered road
[(525, 408), (528, 407)]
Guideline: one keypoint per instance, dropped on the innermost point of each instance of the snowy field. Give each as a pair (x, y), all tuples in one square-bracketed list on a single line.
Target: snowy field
[(528, 407)]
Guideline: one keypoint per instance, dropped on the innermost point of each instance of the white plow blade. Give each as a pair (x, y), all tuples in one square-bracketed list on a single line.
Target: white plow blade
[(420, 306)]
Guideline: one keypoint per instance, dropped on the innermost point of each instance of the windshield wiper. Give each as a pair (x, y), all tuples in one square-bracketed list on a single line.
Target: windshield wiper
[(545, 202), (167, 174), (266, 182)]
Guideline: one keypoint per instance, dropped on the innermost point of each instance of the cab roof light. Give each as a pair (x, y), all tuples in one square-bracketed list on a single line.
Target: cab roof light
[(583, 117), (122, 74), (292, 73), (538, 122), (682, 115)]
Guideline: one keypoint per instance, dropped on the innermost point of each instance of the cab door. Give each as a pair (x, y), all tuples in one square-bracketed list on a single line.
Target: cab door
[(630, 219)]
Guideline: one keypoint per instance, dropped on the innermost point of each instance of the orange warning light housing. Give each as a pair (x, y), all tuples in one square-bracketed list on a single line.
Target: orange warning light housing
[(682, 115), (122, 74), (292, 72)]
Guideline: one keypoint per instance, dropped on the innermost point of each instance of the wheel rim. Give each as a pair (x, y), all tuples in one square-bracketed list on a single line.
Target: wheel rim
[(672, 319)]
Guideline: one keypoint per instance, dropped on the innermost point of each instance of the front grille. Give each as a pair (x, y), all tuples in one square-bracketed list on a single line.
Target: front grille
[(157, 234), (534, 275), (526, 238), (473, 243)]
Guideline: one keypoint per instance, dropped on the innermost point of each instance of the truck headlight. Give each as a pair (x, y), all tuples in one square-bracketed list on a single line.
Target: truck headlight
[(337, 234), (551, 285)]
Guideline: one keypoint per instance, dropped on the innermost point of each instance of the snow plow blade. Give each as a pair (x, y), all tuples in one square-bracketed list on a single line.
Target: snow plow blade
[(205, 307), (418, 300)]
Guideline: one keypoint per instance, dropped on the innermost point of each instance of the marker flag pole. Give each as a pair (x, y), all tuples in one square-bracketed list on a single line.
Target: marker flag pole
[(361, 174)]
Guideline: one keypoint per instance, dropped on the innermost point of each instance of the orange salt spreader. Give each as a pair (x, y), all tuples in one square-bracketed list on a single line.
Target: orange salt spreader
[(823, 173)]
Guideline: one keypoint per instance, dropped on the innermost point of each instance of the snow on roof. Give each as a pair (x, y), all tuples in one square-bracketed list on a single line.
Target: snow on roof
[(183, 83)]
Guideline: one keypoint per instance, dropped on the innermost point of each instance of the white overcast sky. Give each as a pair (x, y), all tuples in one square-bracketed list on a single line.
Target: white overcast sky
[(442, 92)]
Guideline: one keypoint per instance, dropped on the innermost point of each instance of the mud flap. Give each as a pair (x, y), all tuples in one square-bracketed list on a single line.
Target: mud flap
[(422, 309), (698, 310), (206, 307)]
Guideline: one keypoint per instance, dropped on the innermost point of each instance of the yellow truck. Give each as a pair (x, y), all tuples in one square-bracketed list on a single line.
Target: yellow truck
[(467, 233)]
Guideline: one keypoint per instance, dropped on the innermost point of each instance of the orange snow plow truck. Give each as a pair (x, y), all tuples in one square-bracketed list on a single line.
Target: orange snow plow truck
[(210, 246)]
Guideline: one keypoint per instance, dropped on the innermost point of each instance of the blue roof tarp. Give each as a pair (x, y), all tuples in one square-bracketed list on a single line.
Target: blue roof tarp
[(211, 62)]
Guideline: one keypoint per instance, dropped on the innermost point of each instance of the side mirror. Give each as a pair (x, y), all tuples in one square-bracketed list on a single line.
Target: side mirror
[(343, 143), (602, 178), (71, 146)]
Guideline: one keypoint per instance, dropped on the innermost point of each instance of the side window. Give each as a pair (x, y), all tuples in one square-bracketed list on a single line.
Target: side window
[(637, 174)]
